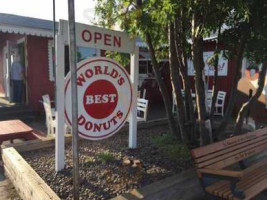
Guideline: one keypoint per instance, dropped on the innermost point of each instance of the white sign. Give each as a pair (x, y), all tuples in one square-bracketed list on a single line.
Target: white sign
[(209, 69), (100, 38), (104, 98)]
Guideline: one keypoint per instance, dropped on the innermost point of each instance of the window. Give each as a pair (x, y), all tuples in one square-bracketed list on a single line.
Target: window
[(82, 53), (143, 67)]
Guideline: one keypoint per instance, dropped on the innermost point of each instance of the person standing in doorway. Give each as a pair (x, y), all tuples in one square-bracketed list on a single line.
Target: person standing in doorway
[(17, 77)]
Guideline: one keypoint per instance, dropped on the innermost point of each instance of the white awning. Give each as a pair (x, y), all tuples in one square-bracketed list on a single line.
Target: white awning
[(25, 31)]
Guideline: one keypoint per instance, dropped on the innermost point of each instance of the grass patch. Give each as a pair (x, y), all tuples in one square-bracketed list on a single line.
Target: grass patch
[(170, 148), (105, 157)]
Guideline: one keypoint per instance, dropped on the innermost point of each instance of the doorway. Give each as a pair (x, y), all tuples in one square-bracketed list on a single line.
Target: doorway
[(10, 51)]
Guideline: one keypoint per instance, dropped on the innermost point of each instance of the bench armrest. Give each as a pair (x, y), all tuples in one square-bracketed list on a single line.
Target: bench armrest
[(222, 172)]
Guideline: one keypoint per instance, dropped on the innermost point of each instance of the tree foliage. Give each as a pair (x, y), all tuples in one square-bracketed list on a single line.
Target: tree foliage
[(178, 28)]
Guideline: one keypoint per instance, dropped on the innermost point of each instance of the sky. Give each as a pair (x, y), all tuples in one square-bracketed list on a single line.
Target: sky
[(43, 9)]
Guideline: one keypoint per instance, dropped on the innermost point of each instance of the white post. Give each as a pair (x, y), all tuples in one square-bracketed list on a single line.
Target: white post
[(60, 124), (133, 115), (265, 90)]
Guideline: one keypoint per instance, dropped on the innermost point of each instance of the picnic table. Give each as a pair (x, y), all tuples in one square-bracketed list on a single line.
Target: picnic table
[(14, 129)]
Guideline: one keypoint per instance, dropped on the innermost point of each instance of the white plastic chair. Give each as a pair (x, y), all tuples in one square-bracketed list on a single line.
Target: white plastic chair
[(144, 94), (141, 96), (219, 105), (138, 94), (209, 99), (142, 109), (50, 115), (174, 104)]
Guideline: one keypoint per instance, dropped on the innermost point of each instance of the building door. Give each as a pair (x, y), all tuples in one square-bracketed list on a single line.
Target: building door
[(10, 51)]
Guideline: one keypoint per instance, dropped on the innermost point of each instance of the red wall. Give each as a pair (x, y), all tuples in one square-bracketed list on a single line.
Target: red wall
[(224, 83), (37, 73)]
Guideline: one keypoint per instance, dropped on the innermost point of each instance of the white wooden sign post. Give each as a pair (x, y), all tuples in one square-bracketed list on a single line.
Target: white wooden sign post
[(100, 38)]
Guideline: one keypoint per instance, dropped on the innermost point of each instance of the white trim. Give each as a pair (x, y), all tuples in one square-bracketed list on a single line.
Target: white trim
[(25, 31), (21, 40), (134, 69), (60, 71)]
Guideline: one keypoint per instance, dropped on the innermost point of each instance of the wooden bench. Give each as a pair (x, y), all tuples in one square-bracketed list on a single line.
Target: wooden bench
[(223, 167)]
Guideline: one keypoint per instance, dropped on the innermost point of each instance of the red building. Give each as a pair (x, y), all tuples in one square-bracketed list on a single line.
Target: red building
[(32, 40)]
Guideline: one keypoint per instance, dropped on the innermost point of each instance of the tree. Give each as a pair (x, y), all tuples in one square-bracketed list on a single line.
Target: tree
[(246, 35), (182, 25)]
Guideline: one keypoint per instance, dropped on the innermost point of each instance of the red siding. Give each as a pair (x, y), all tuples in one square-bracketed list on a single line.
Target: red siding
[(224, 83), (37, 73)]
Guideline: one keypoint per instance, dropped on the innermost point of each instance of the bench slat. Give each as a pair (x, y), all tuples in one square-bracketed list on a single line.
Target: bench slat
[(256, 189), (238, 157), (231, 149), (255, 166), (222, 172), (213, 187), (251, 186), (248, 182), (233, 154), (222, 188), (201, 151)]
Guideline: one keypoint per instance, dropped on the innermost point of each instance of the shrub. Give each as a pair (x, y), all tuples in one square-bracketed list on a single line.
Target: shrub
[(170, 148), (105, 157)]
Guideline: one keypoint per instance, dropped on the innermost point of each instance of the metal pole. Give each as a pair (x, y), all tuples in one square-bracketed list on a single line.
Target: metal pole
[(75, 139), (54, 52)]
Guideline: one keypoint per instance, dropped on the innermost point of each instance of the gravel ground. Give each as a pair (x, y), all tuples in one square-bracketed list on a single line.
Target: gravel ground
[(115, 173)]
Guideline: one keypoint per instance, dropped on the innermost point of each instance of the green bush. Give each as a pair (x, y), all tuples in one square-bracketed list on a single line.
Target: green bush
[(105, 157), (170, 148)]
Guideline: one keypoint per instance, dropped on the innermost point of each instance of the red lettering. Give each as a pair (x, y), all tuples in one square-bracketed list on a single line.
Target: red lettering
[(116, 41), (121, 81), (86, 36), (114, 120), (98, 36), (107, 39), (97, 127), (89, 73), (98, 70), (114, 73), (81, 120), (119, 114), (106, 125), (80, 80), (88, 126), (106, 71)]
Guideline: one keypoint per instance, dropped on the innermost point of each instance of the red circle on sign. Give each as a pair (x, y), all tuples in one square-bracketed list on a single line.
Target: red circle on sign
[(100, 99)]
